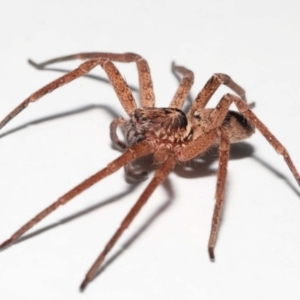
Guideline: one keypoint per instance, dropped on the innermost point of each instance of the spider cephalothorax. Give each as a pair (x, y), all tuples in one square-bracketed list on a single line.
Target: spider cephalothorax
[(168, 126), (168, 134)]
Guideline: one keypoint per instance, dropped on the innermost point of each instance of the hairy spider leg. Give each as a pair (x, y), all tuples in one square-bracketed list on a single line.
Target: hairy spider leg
[(147, 96), (209, 137), (146, 91), (159, 177), (252, 118), (184, 87), (135, 151), (210, 88), (224, 147), (119, 84), (217, 118)]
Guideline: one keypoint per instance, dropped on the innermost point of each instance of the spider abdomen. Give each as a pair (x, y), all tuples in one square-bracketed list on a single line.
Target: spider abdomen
[(234, 123), (237, 126)]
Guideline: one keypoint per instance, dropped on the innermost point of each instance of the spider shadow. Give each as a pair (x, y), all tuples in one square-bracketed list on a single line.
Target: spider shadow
[(202, 166), (64, 114), (277, 174), (78, 214)]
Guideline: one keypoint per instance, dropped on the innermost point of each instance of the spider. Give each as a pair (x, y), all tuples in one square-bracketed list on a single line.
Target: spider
[(168, 134)]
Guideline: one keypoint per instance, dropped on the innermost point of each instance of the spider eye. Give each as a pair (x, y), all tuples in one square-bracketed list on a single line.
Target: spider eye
[(144, 119)]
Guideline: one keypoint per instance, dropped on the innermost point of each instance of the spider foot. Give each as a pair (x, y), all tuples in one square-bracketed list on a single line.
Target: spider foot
[(211, 254), (5, 244), (84, 284)]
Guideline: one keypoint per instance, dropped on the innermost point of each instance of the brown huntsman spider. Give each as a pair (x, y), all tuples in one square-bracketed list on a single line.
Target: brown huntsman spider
[(168, 134)]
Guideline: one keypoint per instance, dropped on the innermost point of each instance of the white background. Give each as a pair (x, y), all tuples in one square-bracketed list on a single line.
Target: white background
[(257, 255)]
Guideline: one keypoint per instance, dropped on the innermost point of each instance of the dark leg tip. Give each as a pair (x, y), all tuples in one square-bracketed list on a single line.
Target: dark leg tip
[(211, 254), (83, 285), (5, 244)]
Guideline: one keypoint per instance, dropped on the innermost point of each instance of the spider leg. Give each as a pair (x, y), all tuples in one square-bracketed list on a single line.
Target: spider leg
[(224, 148), (159, 177), (195, 148), (119, 84), (118, 57), (219, 113), (198, 146), (184, 87), (136, 151), (252, 118), (210, 88), (146, 87), (145, 82), (279, 148), (209, 137)]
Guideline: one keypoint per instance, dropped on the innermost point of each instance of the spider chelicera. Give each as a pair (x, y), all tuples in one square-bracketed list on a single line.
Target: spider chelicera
[(168, 134)]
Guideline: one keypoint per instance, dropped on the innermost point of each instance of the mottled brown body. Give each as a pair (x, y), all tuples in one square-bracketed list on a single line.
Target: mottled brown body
[(158, 126), (237, 127), (170, 128), (168, 134)]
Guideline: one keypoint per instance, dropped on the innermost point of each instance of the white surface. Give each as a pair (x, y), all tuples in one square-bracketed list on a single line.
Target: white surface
[(257, 254)]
